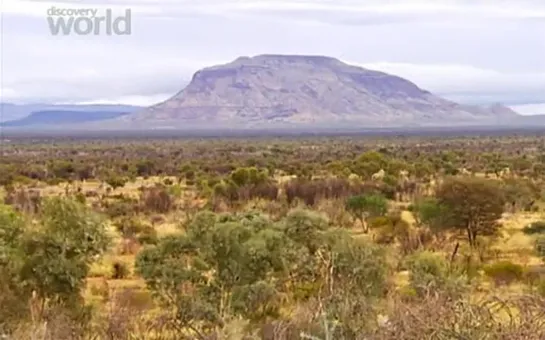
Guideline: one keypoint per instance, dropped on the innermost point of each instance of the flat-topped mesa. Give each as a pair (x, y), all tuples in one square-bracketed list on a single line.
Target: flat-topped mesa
[(308, 89)]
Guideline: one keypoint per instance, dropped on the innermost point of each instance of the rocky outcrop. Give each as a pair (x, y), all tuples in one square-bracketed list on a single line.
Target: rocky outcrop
[(308, 90)]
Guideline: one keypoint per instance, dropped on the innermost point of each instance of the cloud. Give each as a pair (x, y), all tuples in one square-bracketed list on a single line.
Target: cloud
[(530, 109), (134, 100), (471, 51), (320, 10), (108, 80), (468, 83), (149, 82)]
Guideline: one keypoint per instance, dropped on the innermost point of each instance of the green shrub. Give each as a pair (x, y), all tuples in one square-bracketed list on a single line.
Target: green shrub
[(130, 227), (116, 182), (504, 272), (157, 199), (148, 235), (535, 228), (425, 268), (122, 207), (80, 197), (408, 294), (429, 272), (540, 246)]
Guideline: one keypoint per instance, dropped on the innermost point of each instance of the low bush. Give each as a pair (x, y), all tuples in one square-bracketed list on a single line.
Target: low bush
[(540, 246), (504, 272), (430, 272), (148, 235), (121, 207), (157, 199), (535, 228), (130, 227)]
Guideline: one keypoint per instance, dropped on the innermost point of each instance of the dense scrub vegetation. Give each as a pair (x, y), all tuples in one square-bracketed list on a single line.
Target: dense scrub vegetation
[(309, 238)]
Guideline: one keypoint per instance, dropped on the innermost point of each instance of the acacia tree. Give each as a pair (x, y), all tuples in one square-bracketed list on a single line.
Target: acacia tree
[(520, 193), (59, 253), (473, 205), (245, 266), (221, 267), (363, 207), (428, 213), (116, 181), (47, 262)]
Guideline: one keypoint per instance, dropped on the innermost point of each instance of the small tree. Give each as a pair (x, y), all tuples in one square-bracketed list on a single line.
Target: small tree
[(429, 213), (222, 267), (363, 207), (46, 262), (540, 246), (59, 253), (116, 182), (473, 205), (429, 272)]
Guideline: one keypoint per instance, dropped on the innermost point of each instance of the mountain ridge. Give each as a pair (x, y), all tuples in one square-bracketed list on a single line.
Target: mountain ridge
[(12, 112), (59, 117), (307, 90)]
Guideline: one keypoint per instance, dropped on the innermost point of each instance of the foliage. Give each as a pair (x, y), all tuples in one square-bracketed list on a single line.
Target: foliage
[(59, 253), (429, 213), (472, 205), (121, 207), (242, 274), (48, 261), (12, 294), (430, 272), (540, 246), (136, 228), (242, 265), (520, 193), (504, 272), (218, 268), (363, 207), (116, 182), (248, 176), (393, 229), (535, 228), (157, 199)]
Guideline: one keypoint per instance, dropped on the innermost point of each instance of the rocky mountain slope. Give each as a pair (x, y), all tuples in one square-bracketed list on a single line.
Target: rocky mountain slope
[(276, 90)]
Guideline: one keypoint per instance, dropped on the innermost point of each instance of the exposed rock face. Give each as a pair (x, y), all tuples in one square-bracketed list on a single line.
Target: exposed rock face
[(308, 90)]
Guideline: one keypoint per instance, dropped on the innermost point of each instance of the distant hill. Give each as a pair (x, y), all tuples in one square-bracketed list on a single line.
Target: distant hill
[(286, 90), (58, 117), (11, 112)]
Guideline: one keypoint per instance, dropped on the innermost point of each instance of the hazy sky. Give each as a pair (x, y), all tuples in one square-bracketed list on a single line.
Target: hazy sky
[(473, 51)]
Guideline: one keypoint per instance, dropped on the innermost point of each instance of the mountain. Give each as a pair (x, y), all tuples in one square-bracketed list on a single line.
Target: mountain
[(11, 112), (291, 90), (45, 118)]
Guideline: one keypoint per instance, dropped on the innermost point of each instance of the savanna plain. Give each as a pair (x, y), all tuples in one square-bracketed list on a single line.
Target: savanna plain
[(361, 237)]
